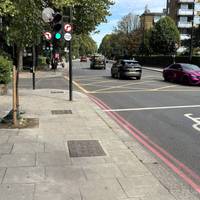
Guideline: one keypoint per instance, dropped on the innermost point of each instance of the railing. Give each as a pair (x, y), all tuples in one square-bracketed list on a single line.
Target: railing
[(184, 24), (185, 12)]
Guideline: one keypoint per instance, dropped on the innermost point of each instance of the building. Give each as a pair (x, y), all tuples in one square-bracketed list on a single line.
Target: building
[(183, 12), (148, 19)]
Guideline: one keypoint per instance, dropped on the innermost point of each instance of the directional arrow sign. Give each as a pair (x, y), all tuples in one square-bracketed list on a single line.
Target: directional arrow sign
[(68, 28), (48, 35)]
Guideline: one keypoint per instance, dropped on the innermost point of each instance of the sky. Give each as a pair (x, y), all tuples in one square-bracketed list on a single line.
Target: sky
[(122, 8)]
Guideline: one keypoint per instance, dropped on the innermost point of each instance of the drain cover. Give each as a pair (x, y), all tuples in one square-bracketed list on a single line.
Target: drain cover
[(61, 112), (85, 148), (57, 92)]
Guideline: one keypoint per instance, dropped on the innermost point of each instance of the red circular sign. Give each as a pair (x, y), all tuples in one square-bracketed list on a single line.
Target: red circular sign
[(48, 35), (67, 27)]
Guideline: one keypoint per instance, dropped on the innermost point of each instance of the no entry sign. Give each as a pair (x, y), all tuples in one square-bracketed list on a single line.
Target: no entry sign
[(48, 35)]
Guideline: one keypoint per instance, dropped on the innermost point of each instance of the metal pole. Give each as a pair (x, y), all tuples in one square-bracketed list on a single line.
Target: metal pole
[(14, 96), (70, 60), (33, 69), (192, 32)]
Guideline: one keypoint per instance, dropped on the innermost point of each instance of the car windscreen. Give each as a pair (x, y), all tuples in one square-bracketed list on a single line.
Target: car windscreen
[(130, 64), (190, 67)]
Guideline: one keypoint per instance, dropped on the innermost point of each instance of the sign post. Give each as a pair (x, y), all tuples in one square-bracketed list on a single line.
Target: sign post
[(68, 37)]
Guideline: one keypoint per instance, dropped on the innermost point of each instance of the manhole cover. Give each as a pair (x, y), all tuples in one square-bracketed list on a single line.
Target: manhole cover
[(61, 112), (85, 148), (57, 92)]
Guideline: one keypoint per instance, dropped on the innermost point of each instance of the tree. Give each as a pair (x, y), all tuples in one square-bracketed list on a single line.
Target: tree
[(164, 36), (145, 48)]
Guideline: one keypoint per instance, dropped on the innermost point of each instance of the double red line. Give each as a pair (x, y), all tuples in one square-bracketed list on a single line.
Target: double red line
[(186, 174)]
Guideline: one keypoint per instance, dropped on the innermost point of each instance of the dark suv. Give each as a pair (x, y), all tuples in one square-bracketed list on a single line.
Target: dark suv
[(126, 68), (97, 62)]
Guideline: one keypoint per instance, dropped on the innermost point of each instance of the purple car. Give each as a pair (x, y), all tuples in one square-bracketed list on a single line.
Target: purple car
[(187, 74)]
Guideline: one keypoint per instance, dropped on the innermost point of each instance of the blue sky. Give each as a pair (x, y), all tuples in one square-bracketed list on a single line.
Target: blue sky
[(122, 8)]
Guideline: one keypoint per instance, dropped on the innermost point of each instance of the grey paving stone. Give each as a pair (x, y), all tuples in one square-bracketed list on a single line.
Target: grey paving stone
[(23, 138), (134, 169), (166, 177), (17, 160), (3, 139), (159, 197), (2, 173), (8, 132), (88, 160), (141, 186), (113, 144), (185, 194), (67, 191), (16, 191), (5, 148), (58, 158), (24, 175), (56, 146), (28, 147), (121, 157), (108, 189), (64, 174), (102, 171)]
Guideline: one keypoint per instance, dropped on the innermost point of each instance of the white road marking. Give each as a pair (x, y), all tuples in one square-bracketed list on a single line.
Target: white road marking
[(161, 88), (152, 108), (196, 126)]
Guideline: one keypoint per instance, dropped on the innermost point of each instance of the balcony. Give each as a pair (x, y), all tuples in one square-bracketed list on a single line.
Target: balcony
[(188, 12), (186, 1), (184, 24), (185, 36)]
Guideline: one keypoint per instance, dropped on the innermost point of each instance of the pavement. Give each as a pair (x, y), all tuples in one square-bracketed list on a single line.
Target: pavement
[(77, 153)]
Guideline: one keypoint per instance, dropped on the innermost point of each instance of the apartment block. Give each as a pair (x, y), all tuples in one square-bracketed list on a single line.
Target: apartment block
[(184, 12)]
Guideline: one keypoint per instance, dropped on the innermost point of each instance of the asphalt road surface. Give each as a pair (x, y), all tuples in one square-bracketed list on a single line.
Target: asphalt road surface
[(168, 114)]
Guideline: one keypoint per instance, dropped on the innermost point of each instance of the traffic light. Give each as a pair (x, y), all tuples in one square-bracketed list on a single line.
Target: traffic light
[(57, 26)]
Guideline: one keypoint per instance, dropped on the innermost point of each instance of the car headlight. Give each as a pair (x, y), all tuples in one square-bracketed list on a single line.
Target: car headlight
[(194, 76)]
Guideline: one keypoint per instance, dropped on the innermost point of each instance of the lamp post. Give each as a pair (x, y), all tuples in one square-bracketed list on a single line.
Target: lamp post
[(192, 32)]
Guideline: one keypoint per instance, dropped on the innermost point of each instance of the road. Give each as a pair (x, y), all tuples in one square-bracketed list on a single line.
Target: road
[(163, 116), (166, 113)]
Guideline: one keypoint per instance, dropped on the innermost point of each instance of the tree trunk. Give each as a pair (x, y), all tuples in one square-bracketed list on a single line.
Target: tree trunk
[(20, 51)]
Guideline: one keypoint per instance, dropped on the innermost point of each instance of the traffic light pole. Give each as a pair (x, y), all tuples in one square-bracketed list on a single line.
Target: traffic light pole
[(70, 61)]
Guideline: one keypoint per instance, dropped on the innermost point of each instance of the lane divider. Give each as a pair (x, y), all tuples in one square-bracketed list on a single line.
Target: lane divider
[(163, 155)]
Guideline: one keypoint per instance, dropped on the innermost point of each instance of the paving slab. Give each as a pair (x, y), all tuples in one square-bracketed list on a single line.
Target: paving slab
[(102, 171), (64, 174), (108, 189), (17, 160), (25, 175), (30, 147), (2, 173), (57, 158), (67, 191), (5, 148), (16, 191)]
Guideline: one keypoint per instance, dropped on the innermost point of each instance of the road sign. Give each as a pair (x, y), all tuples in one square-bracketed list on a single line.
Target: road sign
[(68, 28), (68, 36), (48, 35)]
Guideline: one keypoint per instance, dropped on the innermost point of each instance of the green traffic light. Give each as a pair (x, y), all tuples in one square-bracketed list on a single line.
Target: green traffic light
[(57, 36)]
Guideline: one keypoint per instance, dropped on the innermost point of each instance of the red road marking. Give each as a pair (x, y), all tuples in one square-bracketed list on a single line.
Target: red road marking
[(141, 138)]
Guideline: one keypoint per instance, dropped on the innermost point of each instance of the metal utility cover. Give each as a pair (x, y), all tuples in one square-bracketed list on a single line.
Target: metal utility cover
[(85, 148), (61, 112)]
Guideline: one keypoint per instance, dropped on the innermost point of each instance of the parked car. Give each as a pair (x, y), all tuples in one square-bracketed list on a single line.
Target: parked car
[(83, 59), (97, 62), (126, 68), (187, 74)]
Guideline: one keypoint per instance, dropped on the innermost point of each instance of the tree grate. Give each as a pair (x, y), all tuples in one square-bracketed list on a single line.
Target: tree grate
[(61, 112), (85, 148)]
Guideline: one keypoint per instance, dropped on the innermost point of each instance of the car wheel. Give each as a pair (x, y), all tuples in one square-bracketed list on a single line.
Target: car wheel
[(166, 78), (185, 80), (119, 76), (138, 77)]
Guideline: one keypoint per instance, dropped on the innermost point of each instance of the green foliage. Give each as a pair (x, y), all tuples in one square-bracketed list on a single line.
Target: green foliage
[(83, 45), (7, 7), (164, 36), (5, 70), (145, 48)]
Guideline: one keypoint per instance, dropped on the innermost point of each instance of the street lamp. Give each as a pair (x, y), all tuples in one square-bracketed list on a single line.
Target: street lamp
[(192, 32)]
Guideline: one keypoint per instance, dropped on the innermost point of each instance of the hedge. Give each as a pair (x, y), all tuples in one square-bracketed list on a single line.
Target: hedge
[(163, 61), (5, 70)]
